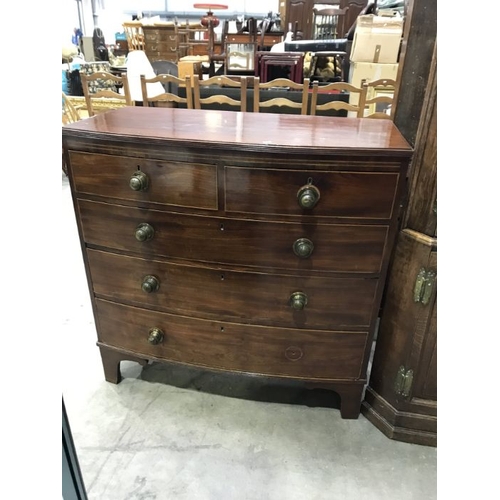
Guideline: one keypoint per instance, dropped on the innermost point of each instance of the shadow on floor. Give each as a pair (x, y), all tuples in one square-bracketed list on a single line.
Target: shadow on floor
[(239, 386)]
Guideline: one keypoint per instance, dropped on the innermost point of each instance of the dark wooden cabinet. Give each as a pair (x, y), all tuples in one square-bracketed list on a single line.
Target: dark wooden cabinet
[(401, 398), (354, 10), (300, 13), (222, 240)]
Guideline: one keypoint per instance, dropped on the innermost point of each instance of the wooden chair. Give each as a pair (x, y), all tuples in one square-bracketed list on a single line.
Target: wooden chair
[(191, 39), (135, 35), (376, 92), (222, 81), (336, 105), (213, 55), (329, 66), (326, 22), (283, 83), (70, 113), (98, 93), (168, 81)]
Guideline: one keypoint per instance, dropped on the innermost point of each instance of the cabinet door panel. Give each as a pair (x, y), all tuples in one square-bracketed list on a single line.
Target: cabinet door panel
[(299, 11)]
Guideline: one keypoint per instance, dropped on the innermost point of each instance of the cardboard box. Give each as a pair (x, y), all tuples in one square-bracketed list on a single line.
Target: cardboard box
[(377, 39), (360, 71)]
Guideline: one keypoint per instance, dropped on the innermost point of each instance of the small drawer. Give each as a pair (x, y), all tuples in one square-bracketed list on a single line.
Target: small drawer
[(244, 297), (151, 36), (337, 247), (305, 354), (179, 184), (368, 195)]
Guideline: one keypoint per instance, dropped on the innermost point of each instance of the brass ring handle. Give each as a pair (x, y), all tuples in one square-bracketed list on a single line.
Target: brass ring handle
[(139, 181), (298, 300), (150, 284), (303, 248), (144, 232), (155, 336), (308, 196)]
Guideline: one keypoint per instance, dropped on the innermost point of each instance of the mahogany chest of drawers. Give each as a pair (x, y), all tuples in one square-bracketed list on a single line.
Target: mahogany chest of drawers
[(251, 243)]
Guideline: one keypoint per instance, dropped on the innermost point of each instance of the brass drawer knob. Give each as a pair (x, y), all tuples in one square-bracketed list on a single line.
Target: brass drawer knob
[(150, 284), (155, 336), (308, 196), (144, 232), (139, 181), (303, 248), (298, 300)]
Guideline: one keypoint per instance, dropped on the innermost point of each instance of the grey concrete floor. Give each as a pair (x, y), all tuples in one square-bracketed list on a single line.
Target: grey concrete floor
[(171, 432)]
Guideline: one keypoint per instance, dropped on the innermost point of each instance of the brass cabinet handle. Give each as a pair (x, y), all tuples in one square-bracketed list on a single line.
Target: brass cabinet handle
[(308, 196), (150, 284), (155, 336), (139, 181), (144, 232), (303, 248), (298, 300)]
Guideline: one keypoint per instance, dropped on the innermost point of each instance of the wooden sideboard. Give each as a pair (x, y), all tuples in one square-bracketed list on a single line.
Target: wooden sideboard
[(250, 243)]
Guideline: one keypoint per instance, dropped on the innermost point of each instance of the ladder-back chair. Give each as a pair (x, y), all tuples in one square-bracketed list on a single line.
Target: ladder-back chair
[(172, 97), (335, 104), (220, 98), (94, 92), (290, 86), (375, 93)]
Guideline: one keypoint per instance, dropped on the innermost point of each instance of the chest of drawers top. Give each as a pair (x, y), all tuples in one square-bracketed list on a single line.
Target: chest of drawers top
[(216, 131)]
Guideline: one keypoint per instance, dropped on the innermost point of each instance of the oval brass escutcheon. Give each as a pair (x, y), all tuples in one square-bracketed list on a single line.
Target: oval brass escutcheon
[(150, 283), (144, 232), (155, 336), (293, 353), (303, 248), (139, 181), (298, 300), (308, 196)]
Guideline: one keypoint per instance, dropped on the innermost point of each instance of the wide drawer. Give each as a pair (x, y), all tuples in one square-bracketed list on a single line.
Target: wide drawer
[(337, 247), (162, 47), (256, 298), (161, 56), (167, 36), (342, 194), (307, 354), (170, 183)]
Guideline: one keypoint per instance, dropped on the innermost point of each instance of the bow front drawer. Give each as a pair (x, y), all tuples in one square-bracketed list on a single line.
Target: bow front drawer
[(229, 346), (335, 247), (247, 297)]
